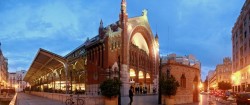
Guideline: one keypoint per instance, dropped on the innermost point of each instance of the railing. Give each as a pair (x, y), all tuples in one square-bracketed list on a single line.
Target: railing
[(13, 101)]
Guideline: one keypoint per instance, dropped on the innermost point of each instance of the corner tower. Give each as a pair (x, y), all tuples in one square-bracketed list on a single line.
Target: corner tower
[(123, 20)]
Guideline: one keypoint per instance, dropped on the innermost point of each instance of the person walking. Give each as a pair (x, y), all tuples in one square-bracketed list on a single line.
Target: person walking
[(131, 95)]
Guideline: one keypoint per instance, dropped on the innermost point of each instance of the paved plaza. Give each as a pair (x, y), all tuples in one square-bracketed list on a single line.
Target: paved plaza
[(141, 100), (28, 99)]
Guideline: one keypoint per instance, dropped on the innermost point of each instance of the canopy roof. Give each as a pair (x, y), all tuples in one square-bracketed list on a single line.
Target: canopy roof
[(44, 62)]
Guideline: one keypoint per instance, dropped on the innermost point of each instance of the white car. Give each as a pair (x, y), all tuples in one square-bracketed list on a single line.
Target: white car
[(231, 98)]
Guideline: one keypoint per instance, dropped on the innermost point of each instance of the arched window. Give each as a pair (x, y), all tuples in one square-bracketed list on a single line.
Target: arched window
[(183, 81), (147, 76), (132, 73), (141, 76)]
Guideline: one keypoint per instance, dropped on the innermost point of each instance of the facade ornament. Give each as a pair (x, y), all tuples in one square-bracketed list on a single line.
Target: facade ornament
[(144, 12)]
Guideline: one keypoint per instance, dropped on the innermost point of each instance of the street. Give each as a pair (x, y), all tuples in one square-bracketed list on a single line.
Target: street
[(153, 100), (211, 100)]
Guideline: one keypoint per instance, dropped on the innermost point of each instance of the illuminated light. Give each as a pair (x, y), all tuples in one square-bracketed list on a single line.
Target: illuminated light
[(58, 82), (214, 86), (248, 99), (141, 75), (200, 85), (236, 77), (132, 73), (233, 77), (147, 75)]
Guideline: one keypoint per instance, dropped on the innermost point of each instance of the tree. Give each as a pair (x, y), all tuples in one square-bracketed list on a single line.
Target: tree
[(224, 85), (110, 87), (169, 85)]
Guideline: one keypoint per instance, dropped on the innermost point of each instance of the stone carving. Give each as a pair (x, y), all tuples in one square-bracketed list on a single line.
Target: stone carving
[(144, 12)]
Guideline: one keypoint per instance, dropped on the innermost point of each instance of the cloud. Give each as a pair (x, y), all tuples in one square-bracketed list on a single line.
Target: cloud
[(18, 60), (48, 20), (198, 27)]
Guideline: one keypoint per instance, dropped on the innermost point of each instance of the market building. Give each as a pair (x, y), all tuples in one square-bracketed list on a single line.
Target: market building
[(187, 71), (212, 80), (126, 47)]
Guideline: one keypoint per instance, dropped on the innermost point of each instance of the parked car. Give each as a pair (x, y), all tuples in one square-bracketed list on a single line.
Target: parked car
[(243, 98), (231, 98)]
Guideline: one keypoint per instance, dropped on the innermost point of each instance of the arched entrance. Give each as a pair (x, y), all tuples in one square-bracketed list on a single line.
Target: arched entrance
[(142, 58), (195, 90), (132, 75)]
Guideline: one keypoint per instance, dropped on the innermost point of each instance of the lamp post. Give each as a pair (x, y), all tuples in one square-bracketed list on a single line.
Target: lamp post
[(0, 87), (60, 79), (159, 84), (119, 70), (19, 79), (81, 73)]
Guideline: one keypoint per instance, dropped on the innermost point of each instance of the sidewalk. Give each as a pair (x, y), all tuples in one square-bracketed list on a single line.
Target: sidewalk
[(141, 100), (28, 99)]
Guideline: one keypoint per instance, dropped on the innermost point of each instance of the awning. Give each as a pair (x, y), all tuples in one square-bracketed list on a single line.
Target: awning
[(44, 62)]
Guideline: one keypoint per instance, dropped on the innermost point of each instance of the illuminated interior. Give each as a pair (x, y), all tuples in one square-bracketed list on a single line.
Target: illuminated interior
[(139, 41), (132, 73), (147, 75), (141, 75), (78, 86)]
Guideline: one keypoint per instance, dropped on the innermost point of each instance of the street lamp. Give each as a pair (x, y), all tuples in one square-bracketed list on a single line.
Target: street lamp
[(159, 84), (82, 73), (119, 70), (0, 87), (19, 79)]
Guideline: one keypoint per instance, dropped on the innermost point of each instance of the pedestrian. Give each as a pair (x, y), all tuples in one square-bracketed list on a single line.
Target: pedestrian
[(138, 90), (131, 95), (141, 90), (154, 90)]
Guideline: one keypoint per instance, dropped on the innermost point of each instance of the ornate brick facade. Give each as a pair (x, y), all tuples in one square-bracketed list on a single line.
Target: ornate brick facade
[(123, 38), (129, 39)]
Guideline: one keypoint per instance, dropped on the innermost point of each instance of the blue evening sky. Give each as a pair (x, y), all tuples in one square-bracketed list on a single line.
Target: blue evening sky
[(198, 27)]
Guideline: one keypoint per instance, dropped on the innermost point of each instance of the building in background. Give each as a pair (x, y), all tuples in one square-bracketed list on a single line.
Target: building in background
[(187, 71), (212, 80), (205, 84), (3, 70), (241, 49), (15, 80), (222, 72)]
